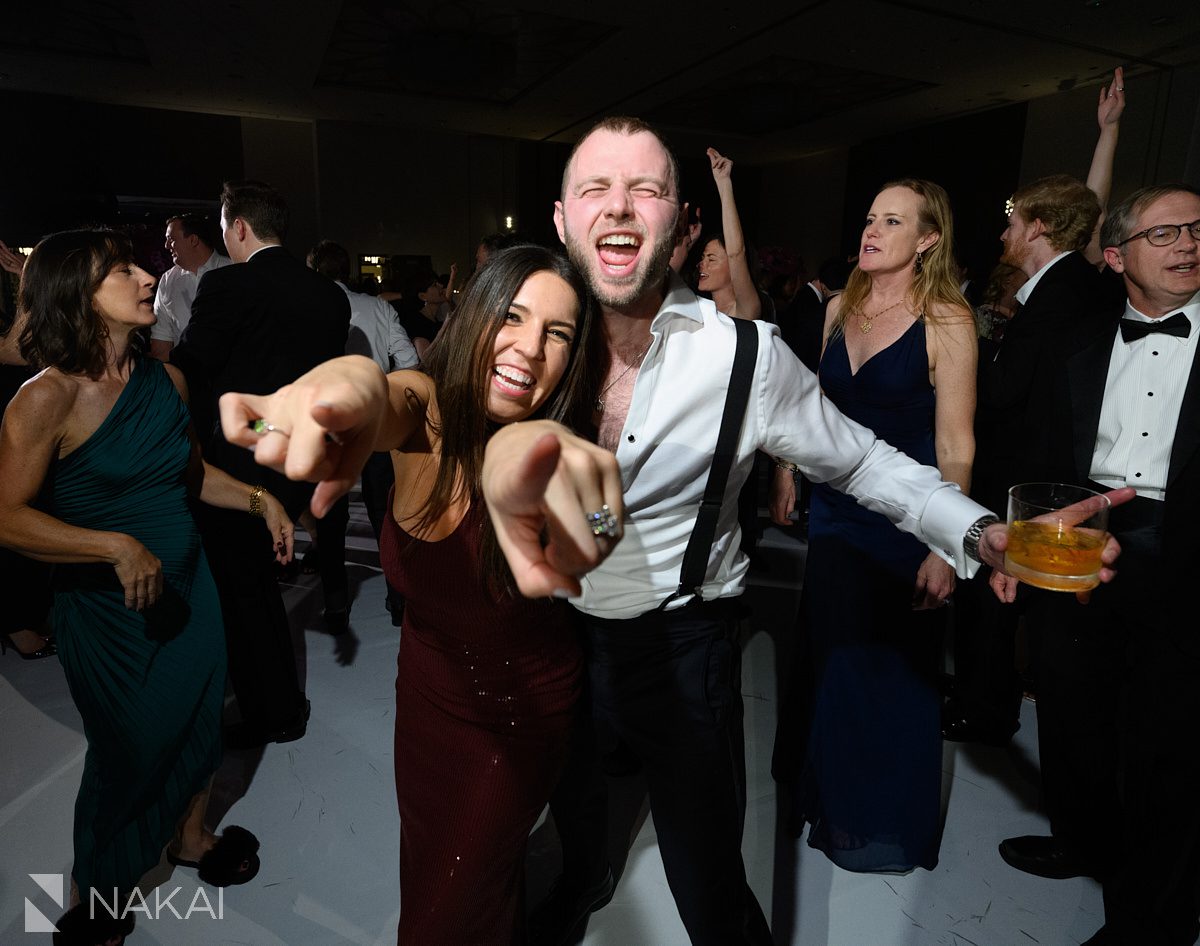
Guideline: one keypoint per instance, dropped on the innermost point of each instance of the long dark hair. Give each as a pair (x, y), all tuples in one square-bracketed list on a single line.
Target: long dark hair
[(63, 330), (459, 361)]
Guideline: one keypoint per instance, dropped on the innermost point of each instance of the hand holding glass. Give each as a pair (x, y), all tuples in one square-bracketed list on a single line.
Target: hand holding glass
[(1056, 535)]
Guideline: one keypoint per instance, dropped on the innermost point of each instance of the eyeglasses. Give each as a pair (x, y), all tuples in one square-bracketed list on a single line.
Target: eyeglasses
[(1166, 233)]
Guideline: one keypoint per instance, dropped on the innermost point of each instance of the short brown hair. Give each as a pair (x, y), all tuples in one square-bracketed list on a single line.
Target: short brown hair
[(628, 126), (259, 204), (1065, 206), (197, 225), (1123, 217), (330, 259)]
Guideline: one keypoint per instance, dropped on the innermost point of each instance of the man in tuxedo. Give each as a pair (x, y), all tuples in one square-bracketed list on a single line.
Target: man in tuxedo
[(1061, 306), (1119, 696), (255, 327)]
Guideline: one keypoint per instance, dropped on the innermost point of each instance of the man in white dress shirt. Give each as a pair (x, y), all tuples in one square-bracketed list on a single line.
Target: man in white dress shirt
[(190, 243), (664, 676)]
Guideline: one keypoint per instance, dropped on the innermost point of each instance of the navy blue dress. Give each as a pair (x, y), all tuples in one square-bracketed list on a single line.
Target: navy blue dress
[(871, 778)]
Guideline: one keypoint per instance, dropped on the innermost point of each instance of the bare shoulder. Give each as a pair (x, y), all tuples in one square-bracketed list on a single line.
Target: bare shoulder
[(951, 323), (178, 380), (43, 404), (948, 314), (951, 338), (413, 397), (416, 387)]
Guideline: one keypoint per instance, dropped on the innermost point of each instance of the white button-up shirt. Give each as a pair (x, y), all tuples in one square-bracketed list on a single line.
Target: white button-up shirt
[(375, 331), (670, 435), (174, 297), (1142, 398)]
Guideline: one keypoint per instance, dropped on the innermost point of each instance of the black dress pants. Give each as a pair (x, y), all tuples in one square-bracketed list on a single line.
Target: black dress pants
[(987, 687), (331, 555), (262, 657), (378, 478), (668, 685), (1119, 730)]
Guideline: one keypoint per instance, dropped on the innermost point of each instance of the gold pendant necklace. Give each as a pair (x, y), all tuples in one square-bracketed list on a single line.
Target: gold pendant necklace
[(868, 321), (609, 386)]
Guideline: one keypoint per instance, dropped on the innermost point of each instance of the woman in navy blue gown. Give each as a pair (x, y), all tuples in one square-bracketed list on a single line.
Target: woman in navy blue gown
[(899, 358)]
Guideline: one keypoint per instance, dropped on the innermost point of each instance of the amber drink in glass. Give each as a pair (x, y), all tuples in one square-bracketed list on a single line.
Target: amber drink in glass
[(1051, 546)]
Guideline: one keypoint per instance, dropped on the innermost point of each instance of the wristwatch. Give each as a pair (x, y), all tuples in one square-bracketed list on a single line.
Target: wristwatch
[(975, 533)]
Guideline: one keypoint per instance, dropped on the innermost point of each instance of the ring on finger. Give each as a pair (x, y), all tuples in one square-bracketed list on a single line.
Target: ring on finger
[(264, 426), (603, 523)]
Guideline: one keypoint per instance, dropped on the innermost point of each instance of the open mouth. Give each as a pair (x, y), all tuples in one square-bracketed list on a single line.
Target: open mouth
[(511, 380), (619, 251), (1183, 268)]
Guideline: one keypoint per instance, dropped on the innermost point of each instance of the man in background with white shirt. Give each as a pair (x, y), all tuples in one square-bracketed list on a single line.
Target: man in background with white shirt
[(375, 332), (190, 241), (1121, 711)]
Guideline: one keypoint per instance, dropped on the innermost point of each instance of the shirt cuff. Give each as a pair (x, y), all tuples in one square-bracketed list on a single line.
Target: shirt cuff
[(945, 521)]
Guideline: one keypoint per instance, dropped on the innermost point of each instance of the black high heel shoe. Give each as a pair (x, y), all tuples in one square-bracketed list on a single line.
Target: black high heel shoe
[(48, 649)]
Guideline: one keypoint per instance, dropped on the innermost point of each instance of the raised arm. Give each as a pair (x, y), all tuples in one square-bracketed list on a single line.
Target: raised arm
[(746, 294), (1099, 179), (10, 340), (12, 261), (688, 236), (323, 427)]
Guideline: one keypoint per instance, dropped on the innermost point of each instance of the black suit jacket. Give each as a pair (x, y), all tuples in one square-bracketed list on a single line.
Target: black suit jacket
[(1070, 306), (1076, 420), (255, 327), (802, 324)]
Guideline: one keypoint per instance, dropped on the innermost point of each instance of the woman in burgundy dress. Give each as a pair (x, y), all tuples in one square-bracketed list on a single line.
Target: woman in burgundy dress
[(487, 679)]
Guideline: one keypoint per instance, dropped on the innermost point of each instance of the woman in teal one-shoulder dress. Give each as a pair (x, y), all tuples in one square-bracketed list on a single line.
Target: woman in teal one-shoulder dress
[(96, 465)]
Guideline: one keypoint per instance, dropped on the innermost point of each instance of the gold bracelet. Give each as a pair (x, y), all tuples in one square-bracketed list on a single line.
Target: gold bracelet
[(256, 508), (786, 465)]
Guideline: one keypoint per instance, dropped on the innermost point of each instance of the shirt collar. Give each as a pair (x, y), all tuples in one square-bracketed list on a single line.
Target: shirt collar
[(680, 300), (1022, 295), (214, 260), (268, 246), (1191, 309)]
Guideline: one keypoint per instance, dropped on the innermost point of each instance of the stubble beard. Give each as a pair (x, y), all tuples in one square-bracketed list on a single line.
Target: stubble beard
[(1011, 257), (625, 291)]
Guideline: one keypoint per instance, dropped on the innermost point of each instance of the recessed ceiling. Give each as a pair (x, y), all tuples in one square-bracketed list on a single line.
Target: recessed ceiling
[(775, 80)]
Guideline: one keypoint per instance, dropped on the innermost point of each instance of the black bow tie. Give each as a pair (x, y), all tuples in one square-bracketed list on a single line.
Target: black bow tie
[(1177, 325)]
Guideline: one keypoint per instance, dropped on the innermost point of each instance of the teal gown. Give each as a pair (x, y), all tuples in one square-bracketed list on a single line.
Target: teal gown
[(149, 685)]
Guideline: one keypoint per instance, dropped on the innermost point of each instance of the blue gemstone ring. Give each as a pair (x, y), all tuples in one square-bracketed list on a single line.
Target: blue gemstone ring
[(603, 523)]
